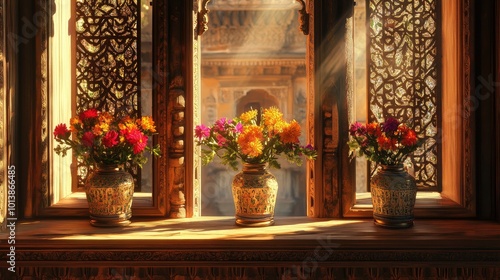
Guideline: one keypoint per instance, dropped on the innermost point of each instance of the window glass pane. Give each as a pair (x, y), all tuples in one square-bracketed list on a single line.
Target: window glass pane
[(253, 56)]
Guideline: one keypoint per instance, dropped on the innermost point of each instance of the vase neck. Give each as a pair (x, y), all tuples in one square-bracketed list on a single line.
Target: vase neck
[(393, 168), (254, 167), (109, 167)]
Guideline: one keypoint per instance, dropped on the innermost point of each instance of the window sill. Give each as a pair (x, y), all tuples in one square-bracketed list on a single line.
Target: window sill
[(291, 242), (221, 231)]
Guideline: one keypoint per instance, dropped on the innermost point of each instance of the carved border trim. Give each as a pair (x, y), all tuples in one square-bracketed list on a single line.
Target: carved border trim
[(217, 257), (468, 134), (290, 271), (42, 192), (3, 119)]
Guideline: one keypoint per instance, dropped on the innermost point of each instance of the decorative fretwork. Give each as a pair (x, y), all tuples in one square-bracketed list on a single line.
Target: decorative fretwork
[(403, 75), (107, 61)]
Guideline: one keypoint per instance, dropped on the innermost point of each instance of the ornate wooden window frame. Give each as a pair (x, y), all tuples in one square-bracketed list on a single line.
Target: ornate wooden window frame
[(330, 190), (39, 190), (457, 198)]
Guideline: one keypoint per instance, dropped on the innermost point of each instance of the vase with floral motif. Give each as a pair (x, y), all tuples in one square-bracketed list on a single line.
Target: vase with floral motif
[(393, 193), (109, 190), (255, 191)]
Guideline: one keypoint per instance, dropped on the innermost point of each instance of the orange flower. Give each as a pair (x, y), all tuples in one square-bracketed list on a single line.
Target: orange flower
[(291, 133), (74, 123), (105, 117), (97, 130), (410, 138), (250, 141), (373, 129)]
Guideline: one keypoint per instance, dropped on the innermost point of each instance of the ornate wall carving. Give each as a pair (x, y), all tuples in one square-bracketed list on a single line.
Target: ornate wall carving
[(257, 272), (306, 263)]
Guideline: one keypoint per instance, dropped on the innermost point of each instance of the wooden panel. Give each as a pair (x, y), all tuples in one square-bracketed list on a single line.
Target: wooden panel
[(452, 101)]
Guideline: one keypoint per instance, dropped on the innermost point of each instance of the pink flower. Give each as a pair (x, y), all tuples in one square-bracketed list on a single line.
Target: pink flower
[(88, 139), (356, 128), (137, 139), (220, 124), (110, 139), (201, 132), (61, 131), (140, 145), (238, 128)]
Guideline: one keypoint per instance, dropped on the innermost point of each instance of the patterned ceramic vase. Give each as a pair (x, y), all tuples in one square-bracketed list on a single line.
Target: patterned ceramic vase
[(254, 191), (393, 193), (109, 191)]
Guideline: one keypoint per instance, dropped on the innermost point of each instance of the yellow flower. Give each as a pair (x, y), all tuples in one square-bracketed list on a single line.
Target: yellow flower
[(147, 124), (127, 124), (271, 117), (291, 133), (248, 116), (278, 127), (104, 126), (250, 141)]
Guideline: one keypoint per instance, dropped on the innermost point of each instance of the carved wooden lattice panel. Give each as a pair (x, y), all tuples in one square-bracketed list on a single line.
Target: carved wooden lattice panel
[(403, 75), (107, 61)]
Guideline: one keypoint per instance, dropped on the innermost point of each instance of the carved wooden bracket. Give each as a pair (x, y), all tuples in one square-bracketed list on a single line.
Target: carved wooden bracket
[(304, 18), (202, 17)]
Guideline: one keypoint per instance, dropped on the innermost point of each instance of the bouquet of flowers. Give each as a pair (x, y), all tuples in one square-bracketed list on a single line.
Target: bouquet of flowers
[(387, 143), (100, 138), (253, 140)]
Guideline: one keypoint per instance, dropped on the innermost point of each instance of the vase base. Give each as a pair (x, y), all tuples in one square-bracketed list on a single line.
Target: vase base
[(250, 223), (111, 221), (96, 223), (393, 224)]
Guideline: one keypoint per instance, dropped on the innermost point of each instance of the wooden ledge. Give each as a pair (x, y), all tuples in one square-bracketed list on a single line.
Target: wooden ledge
[(211, 247), (294, 232)]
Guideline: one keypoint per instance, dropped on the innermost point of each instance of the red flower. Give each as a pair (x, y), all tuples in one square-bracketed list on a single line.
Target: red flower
[(110, 139), (386, 143), (61, 131), (410, 138), (88, 114), (88, 138)]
